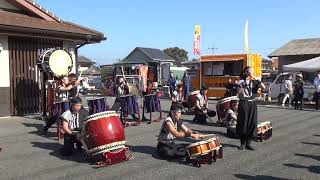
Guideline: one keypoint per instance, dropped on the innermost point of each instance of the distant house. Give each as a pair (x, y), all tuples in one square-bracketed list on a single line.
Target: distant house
[(84, 63), (296, 51), (89, 71), (154, 58), (269, 65), (193, 66)]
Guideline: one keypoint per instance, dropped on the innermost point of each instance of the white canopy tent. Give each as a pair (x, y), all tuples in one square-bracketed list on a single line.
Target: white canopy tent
[(312, 65)]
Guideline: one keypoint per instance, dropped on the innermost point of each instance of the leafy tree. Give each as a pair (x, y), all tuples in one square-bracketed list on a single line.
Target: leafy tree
[(179, 55)]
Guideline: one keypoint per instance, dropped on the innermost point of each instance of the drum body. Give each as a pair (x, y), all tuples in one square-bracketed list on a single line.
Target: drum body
[(203, 147), (103, 132), (129, 104), (57, 62), (152, 103), (223, 106), (192, 100), (58, 108), (97, 105)]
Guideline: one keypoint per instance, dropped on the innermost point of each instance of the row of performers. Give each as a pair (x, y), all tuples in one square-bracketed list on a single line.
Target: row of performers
[(172, 126)]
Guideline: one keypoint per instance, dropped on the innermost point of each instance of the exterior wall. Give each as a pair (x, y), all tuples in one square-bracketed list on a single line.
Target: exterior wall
[(4, 77), (71, 48), (284, 60), (138, 56)]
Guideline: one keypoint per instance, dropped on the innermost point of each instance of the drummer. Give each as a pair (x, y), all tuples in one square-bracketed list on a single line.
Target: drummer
[(201, 110), (232, 113), (173, 128), (72, 123), (74, 82), (63, 95), (178, 96), (122, 89)]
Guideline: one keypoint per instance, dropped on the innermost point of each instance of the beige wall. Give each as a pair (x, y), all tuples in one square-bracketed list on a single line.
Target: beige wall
[(4, 62), (71, 46)]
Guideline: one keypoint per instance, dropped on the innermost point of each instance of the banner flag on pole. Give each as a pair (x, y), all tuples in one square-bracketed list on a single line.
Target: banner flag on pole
[(196, 40)]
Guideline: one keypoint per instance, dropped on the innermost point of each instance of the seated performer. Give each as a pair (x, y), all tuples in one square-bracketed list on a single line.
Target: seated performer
[(72, 123), (178, 97), (231, 116), (122, 89), (201, 109), (173, 128)]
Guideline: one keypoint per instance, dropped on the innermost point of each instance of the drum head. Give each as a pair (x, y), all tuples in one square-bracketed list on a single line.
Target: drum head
[(100, 115), (60, 63)]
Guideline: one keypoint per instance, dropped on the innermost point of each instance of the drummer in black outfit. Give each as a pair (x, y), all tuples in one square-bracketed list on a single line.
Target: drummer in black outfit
[(63, 95), (122, 89), (74, 82), (201, 109), (73, 120), (172, 128), (247, 110)]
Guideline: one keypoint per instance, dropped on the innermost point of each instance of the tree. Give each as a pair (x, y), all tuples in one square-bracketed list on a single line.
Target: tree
[(179, 55)]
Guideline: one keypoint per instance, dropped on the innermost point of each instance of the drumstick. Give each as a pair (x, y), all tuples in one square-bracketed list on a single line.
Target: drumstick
[(80, 74), (206, 135)]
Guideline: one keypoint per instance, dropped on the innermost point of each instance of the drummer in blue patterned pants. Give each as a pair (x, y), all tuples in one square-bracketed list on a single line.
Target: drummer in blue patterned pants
[(122, 89)]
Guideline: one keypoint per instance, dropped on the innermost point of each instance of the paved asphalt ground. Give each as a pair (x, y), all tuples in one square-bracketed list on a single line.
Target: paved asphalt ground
[(292, 153)]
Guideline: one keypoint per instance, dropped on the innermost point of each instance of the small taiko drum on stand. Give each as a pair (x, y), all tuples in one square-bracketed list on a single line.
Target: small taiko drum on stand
[(204, 152), (192, 100), (129, 105), (264, 131), (103, 138), (97, 105), (223, 106), (151, 103), (58, 108)]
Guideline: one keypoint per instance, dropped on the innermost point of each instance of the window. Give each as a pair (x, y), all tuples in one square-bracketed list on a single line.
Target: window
[(228, 68), (207, 69)]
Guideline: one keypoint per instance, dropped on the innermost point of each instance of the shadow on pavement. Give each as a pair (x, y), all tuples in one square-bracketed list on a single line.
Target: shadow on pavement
[(313, 169), (78, 156), (309, 156), (243, 176), (316, 144), (39, 130)]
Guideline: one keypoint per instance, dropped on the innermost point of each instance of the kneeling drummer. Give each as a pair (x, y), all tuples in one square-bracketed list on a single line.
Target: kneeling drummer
[(173, 128)]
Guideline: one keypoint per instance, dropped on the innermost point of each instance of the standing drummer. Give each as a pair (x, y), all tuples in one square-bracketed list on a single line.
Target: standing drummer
[(74, 82), (72, 123), (63, 95), (122, 89), (201, 110), (173, 128)]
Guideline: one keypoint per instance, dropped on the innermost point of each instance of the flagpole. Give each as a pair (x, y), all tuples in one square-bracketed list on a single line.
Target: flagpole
[(246, 42)]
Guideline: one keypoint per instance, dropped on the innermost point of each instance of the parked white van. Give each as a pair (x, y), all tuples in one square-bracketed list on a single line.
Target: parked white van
[(277, 88)]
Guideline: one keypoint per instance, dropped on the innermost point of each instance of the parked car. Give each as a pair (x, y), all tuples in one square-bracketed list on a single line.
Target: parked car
[(267, 82), (277, 88)]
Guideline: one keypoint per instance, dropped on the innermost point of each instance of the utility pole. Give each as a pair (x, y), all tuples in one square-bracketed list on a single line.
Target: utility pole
[(212, 48)]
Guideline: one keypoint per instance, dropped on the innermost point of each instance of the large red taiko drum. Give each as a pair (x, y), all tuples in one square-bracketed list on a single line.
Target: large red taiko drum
[(223, 106), (103, 132)]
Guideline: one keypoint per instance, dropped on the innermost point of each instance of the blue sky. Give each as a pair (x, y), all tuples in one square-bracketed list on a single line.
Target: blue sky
[(169, 23)]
